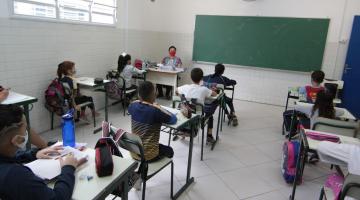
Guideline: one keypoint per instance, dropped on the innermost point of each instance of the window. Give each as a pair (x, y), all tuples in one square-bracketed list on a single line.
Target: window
[(88, 11)]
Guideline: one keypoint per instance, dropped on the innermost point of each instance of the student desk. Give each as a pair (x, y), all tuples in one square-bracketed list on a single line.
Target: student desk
[(100, 188), (293, 93), (346, 116), (307, 144), (163, 77), (24, 101), (89, 82), (181, 123)]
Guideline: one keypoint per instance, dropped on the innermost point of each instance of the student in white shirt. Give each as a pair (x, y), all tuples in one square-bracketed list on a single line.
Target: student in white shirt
[(200, 93), (323, 107), (126, 70)]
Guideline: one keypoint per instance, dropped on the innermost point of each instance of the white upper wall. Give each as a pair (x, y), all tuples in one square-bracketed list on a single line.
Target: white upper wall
[(179, 16)]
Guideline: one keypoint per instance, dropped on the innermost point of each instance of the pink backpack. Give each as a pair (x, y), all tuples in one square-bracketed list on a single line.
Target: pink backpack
[(291, 151)]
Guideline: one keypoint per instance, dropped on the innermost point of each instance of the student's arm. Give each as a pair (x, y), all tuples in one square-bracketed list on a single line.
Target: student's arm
[(228, 81), (165, 116), (26, 156), (33, 187), (306, 109), (135, 70)]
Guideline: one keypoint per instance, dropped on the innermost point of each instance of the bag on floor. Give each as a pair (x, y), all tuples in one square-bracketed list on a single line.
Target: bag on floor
[(290, 155), (290, 122), (55, 96)]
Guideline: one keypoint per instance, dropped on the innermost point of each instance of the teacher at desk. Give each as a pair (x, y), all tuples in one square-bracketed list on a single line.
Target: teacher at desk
[(170, 60)]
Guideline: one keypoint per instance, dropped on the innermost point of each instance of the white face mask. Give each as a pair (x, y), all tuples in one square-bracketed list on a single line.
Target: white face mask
[(26, 138)]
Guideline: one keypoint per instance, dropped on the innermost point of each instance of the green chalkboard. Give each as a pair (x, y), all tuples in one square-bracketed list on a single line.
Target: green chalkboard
[(295, 44)]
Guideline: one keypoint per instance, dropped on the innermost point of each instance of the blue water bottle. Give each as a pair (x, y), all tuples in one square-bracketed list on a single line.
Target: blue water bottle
[(68, 128)]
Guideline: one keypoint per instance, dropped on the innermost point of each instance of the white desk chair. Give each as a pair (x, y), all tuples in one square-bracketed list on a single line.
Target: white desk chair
[(133, 144), (345, 128)]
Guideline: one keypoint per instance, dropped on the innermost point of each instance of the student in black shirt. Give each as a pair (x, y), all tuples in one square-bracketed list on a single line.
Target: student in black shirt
[(18, 182), (66, 72)]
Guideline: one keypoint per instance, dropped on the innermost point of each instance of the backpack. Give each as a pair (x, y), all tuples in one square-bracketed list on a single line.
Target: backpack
[(114, 88), (55, 96), (291, 151)]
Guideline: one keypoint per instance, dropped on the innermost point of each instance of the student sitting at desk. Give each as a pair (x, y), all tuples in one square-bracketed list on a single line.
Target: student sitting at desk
[(146, 120), (200, 93), (17, 181), (323, 107), (66, 72), (34, 137), (170, 60), (126, 70), (218, 78), (310, 91)]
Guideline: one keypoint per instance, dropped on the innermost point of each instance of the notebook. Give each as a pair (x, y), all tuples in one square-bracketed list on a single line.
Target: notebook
[(48, 169)]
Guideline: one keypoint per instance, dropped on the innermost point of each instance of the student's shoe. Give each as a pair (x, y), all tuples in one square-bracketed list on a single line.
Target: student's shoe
[(234, 120), (210, 140), (137, 184)]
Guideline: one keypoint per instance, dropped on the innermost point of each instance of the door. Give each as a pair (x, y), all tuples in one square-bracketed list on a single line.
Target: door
[(351, 76)]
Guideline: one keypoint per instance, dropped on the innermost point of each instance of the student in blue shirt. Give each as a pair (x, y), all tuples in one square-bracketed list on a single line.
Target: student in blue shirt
[(218, 78), (19, 182), (146, 120)]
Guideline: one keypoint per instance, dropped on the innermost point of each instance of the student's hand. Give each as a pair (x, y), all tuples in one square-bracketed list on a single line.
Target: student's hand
[(4, 93), (72, 161), (78, 108), (49, 152), (213, 93)]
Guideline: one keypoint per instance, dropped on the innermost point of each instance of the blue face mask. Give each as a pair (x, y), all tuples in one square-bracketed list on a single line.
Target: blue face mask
[(26, 138)]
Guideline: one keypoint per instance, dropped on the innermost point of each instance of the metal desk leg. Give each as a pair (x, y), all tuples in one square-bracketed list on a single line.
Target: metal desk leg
[(202, 139), (125, 188), (189, 180), (106, 112), (217, 130), (27, 117)]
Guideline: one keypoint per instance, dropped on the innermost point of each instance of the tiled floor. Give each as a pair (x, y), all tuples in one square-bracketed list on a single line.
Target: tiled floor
[(244, 165)]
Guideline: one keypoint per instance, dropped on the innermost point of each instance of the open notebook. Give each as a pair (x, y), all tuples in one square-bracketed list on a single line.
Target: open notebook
[(49, 169)]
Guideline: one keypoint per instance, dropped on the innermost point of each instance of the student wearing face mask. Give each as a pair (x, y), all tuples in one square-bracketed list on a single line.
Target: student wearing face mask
[(34, 137), (19, 182), (170, 60)]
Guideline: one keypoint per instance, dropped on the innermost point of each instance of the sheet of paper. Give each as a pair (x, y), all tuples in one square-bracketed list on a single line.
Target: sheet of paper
[(46, 169), (15, 97), (77, 145), (172, 110)]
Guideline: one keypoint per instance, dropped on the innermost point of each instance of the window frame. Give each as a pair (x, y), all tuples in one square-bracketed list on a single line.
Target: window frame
[(57, 19)]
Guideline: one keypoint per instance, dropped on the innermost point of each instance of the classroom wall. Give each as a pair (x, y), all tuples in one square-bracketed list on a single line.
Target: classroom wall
[(31, 50), (153, 26)]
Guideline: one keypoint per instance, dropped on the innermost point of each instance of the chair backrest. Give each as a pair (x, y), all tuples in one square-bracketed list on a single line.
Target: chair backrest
[(130, 142), (340, 83), (351, 187), (345, 128)]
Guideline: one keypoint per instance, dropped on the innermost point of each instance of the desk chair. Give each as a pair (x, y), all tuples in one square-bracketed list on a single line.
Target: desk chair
[(351, 188), (345, 128), (117, 90), (232, 89), (133, 144), (336, 85), (200, 110)]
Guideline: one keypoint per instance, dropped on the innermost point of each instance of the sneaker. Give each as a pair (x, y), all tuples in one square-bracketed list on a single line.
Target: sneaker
[(210, 139), (137, 184), (234, 120)]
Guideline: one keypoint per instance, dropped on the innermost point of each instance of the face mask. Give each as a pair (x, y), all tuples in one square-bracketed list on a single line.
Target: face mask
[(172, 53), (26, 138)]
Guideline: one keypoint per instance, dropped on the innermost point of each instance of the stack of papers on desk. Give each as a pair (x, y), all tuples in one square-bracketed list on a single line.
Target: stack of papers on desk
[(15, 98), (171, 110), (49, 169)]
